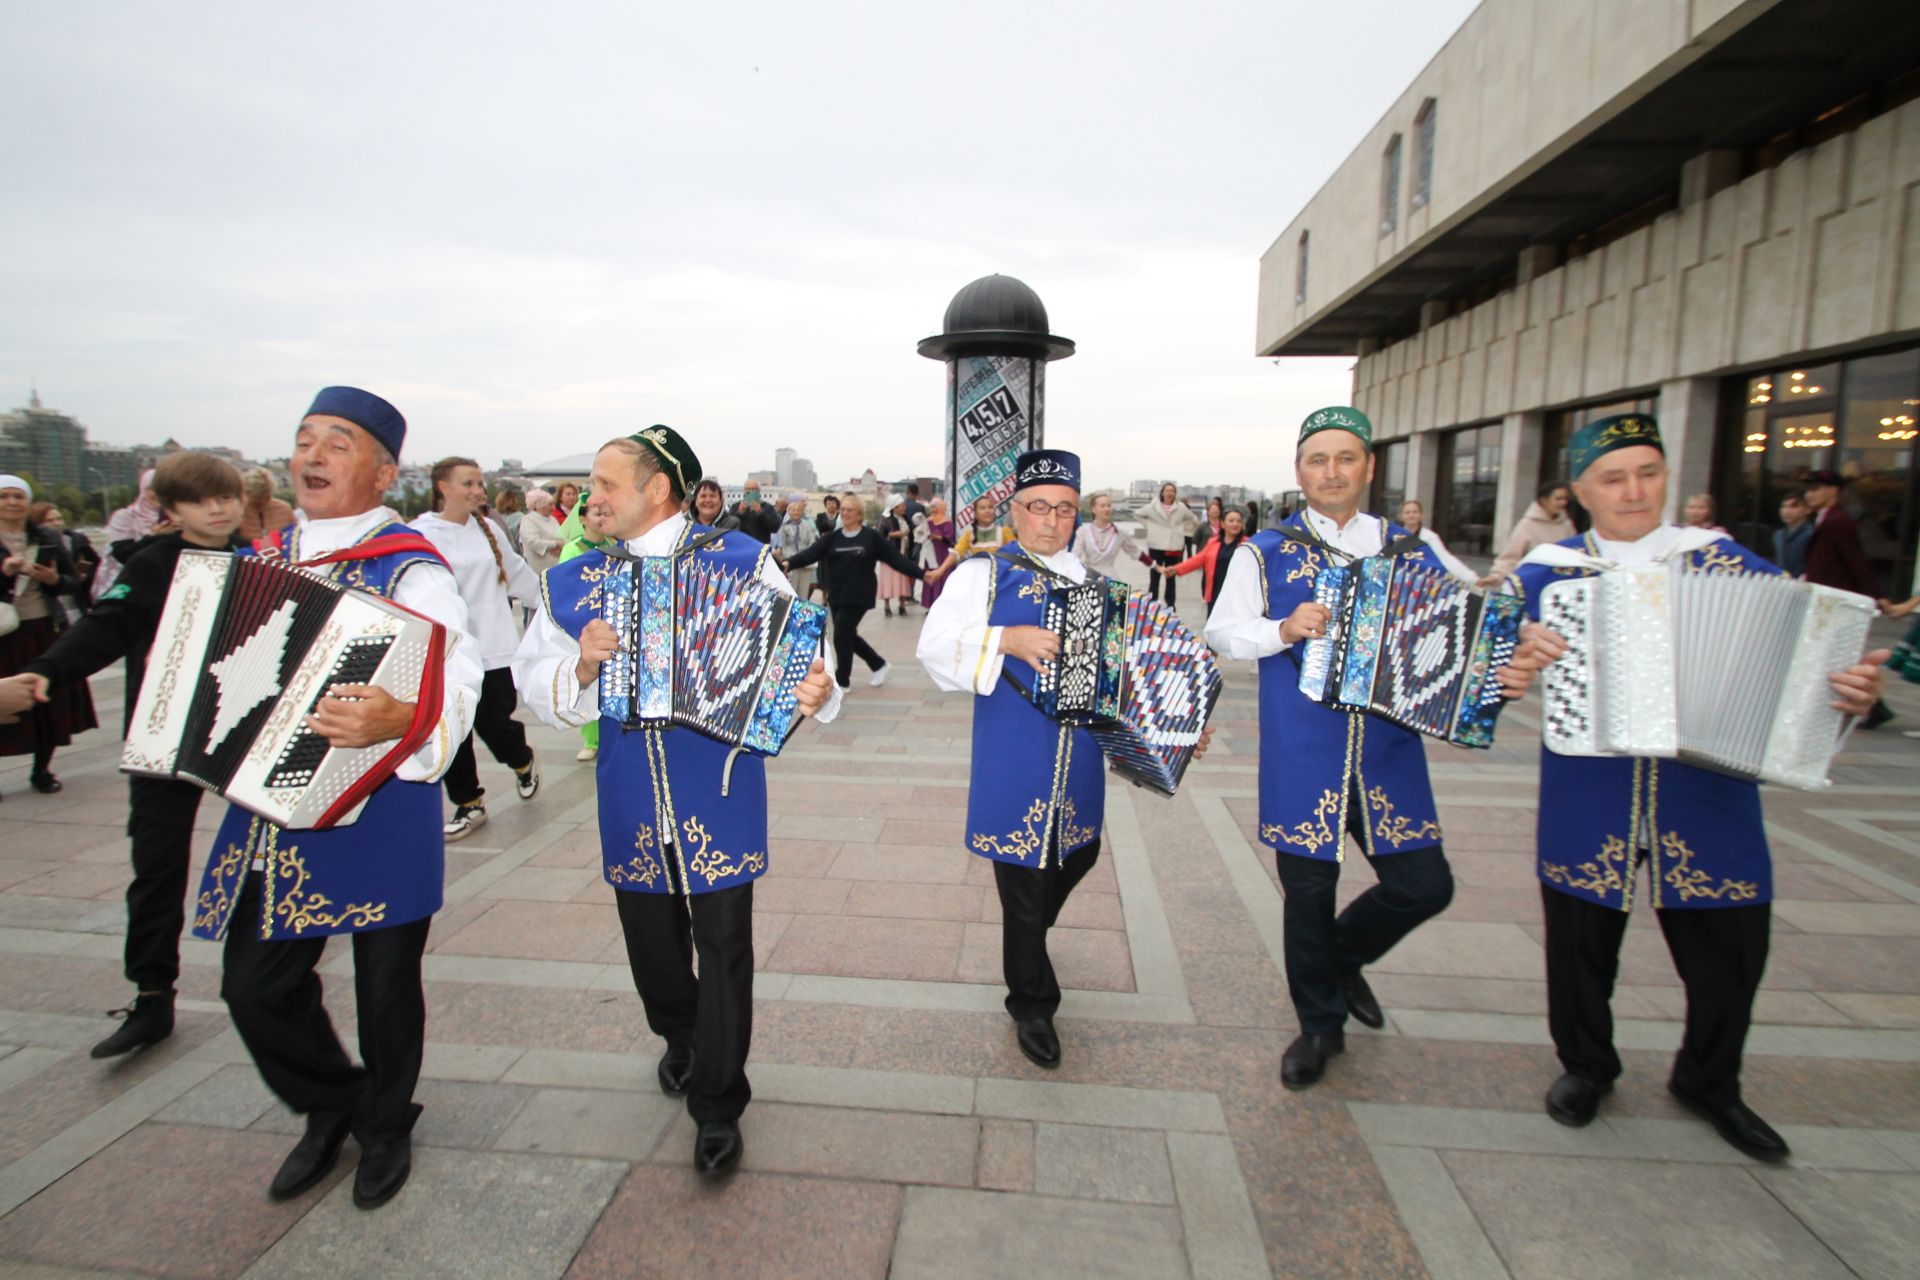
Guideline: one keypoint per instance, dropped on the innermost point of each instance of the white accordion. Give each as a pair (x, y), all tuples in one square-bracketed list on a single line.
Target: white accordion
[(245, 649), (1724, 671)]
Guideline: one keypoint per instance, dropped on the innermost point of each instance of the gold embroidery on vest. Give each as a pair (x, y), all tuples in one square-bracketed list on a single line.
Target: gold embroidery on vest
[(1609, 872), (1020, 843), (1690, 882), (644, 868), (1312, 835), (300, 910), (1397, 829), (710, 863)]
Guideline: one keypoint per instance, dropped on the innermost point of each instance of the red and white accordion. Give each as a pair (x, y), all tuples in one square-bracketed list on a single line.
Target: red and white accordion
[(245, 650)]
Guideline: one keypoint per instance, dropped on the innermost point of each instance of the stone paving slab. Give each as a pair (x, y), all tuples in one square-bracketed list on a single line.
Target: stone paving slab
[(961, 1235)]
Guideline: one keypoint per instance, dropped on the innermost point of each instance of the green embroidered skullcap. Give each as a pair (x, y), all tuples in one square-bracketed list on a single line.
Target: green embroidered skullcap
[(673, 454), (1607, 434), (1339, 417)]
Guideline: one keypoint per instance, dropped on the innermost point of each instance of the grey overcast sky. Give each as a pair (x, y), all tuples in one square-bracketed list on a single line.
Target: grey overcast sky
[(536, 226)]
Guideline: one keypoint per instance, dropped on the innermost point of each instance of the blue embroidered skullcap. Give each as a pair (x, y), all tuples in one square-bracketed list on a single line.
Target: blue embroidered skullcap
[(1607, 434), (1047, 466), (364, 410)]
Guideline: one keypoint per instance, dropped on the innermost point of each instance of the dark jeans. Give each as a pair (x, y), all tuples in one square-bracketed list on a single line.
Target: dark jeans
[(847, 643), (493, 723), (714, 1012), (1720, 955), (1155, 578), (160, 820), (1321, 948), (1030, 902), (275, 998)]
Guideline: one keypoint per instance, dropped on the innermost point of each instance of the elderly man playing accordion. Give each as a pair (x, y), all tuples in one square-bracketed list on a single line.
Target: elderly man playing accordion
[(1327, 773), (1698, 834), (683, 828), (276, 895), (1036, 800)]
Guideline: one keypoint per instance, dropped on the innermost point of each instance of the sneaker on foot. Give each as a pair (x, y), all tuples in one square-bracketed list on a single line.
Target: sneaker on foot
[(527, 781), (586, 753), (466, 819), (880, 677)]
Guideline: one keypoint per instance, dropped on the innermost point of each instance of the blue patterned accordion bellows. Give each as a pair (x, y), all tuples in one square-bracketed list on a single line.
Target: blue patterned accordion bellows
[(706, 648), (1412, 645)]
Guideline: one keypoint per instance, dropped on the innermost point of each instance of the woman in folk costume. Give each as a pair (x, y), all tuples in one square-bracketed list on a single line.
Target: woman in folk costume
[(1699, 835), (984, 533), (1037, 798), (491, 575), (935, 550), (1327, 773), (275, 896), (683, 824)]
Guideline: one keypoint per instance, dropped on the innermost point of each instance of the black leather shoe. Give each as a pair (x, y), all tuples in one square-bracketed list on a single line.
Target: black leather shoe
[(1038, 1041), (384, 1168), (149, 1020), (1305, 1060), (1737, 1123), (717, 1147), (675, 1070), (312, 1157), (1575, 1100), (46, 784), (1360, 1002)]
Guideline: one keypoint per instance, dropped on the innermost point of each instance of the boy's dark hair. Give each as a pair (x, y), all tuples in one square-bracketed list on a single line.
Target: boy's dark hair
[(192, 476), (913, 490)]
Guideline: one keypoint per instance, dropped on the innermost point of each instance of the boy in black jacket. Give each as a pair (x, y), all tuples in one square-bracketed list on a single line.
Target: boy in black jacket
[(201, 496)]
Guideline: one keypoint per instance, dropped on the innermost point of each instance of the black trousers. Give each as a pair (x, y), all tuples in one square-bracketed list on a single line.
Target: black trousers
[(275, 998), (1720, 955), (493, 723), (714, 1012), (1155, 578), (847, 642), (1321, 948), (160, 820), (1030, 902)]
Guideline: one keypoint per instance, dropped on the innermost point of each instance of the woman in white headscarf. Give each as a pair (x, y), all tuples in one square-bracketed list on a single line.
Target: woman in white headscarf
[(125, 528)]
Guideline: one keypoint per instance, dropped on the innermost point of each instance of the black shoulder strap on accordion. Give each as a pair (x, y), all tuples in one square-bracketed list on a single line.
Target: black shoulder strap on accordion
[(1400, 546), (618, 549)]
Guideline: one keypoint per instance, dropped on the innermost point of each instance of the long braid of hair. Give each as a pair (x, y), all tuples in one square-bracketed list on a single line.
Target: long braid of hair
[(493, 543)]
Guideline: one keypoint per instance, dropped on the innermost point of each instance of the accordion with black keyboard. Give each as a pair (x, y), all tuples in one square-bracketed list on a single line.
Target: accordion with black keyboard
[(1726, 671), (1132, 673), (706, 649), (245, 649), (1413, 645)]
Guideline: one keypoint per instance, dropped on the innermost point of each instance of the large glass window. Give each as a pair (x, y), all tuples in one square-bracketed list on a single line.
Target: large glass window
[(1389, 480), (1857, 417), (1469, 485)]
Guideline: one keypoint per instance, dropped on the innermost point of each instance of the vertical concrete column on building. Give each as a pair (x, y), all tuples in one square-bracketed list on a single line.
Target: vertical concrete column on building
[(1423, 470), (1520, 440), (1689, 410)]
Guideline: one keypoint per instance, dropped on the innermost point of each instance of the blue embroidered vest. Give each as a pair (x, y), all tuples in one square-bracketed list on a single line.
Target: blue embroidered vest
[(1312, 757), (660, 789), (1038, 790), (1705, 842), (388, 867)]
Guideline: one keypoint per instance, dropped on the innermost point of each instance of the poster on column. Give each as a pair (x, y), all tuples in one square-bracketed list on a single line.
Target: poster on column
[(994, 414)]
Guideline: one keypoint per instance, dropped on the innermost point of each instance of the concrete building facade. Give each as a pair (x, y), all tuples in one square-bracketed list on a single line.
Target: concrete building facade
[(1706, 210)]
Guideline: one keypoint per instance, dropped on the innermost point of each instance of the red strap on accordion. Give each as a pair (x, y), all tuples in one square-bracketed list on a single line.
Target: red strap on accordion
[(386, 544)]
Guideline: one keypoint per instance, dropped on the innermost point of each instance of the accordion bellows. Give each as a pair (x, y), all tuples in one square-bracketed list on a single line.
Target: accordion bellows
[(707, 649), (1412, 645), (1724, 671), (1133, 674), (244, 651)]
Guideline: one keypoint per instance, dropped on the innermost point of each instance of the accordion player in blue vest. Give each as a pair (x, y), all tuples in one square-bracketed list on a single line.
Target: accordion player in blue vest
[(1328, 773), (683, 820), (276, 896), (1036, 800), (1698, 835)]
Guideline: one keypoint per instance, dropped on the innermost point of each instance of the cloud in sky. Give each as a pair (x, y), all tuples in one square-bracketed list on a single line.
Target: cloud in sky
[(534, 228)]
